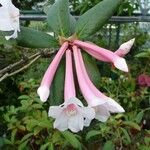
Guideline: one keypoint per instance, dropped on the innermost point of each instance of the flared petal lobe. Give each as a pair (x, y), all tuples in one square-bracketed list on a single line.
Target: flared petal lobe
[(70, 115)]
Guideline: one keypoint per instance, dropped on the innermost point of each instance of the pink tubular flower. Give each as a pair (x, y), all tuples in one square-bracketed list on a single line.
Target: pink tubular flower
[(71, 114), (103, 105), (122, 51), (144, 80), (43, 91), (102, 111), (104, 54)]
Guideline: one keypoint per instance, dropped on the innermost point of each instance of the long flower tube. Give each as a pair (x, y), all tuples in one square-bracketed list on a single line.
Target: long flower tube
[(117, 61), (102, 111), (44, 91), (9, 18), (71, 114), (88, 94), (122, 51)]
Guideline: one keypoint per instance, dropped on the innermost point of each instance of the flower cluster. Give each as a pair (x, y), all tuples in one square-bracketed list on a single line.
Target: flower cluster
[(9, 18), (72, 114), (144, 80)]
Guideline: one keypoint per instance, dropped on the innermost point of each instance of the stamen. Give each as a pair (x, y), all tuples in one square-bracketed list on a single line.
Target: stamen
[(71, 110)]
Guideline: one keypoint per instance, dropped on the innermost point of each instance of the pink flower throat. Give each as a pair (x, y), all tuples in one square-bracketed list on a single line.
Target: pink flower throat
[(71, 110)]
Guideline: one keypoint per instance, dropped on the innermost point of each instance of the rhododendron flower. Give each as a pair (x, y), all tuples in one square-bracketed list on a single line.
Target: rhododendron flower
[(144, 80), (102, 104), (44, 89), (122, 51), (117, 61), (9, 18), (71, 114)]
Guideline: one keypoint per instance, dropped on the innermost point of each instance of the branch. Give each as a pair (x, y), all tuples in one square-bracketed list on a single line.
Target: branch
[(22, 61), (19, 70), (4, 72)]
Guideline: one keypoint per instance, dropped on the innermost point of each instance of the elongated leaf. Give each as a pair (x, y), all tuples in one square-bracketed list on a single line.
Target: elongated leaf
[(139, 117), (57, 89), (23, 145), (35, 39), (70, 137), (109, 146), (26, 137), (132, 125), (96, 17), (127, 136), (58, 17), (92, 133), (72, 24), (92, 69)]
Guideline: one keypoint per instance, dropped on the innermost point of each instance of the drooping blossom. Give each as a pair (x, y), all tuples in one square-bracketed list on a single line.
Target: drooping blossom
[(144, 80), (104, 54), (123, 50), (71, 114), (102, 104), (9, 18), (44, 89)]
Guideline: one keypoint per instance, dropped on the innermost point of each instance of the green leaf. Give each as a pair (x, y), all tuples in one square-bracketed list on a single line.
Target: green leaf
[(109, 146), (72, 24), (139, 117), (13, 135), (26, 137), (31, 38), (70, 137), (4, 41), (96, 17), (92, 133), (92, 69), (132, 124), (57, 89), (127, 136), (44, 147), (23, 97), (23, 145), (58, 17)]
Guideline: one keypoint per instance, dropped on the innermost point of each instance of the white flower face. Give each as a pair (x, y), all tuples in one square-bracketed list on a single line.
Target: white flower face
[(71, 115), (9, 18)]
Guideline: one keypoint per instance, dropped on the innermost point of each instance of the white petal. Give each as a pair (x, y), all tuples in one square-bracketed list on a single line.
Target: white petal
[(121, 64), (61, 122), (5, 22), (88, 112), (5, 2), (125, 47), (76, 123), (87, 122), (95, 101), (114, 107), (55, 111), (102, 114), (43, 93)]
